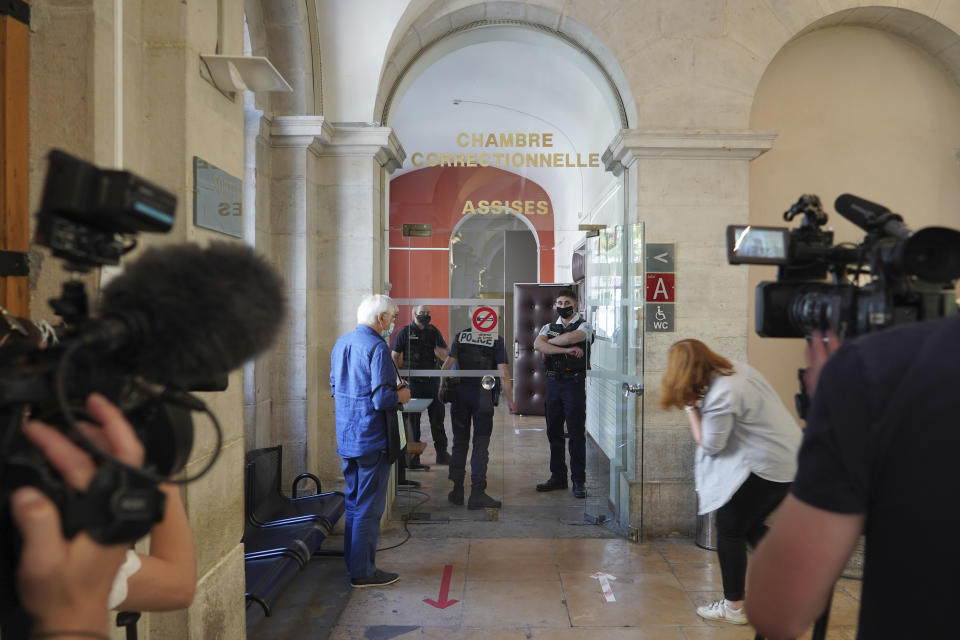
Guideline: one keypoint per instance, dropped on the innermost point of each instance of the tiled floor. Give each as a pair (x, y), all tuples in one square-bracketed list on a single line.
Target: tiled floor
[(526, 575)]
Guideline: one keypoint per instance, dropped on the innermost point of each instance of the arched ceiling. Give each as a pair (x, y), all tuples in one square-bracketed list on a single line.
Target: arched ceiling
[(512, 80)]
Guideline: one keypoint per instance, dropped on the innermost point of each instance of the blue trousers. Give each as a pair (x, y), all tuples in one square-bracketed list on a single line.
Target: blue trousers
[(366, 497), (567, 402), (472, 403)]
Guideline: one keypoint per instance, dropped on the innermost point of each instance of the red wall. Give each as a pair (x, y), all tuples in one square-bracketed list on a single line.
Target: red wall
[(437, 196)]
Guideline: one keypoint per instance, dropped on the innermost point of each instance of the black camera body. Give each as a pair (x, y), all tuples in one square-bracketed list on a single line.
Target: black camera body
[(84, 208), (893, 277), (87, 217)]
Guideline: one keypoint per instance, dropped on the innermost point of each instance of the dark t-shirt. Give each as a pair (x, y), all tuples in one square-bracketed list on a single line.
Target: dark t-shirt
[(882, 439), (412, 338)]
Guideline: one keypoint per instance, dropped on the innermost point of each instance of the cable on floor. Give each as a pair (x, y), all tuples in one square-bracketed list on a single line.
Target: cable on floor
[(426, 498)]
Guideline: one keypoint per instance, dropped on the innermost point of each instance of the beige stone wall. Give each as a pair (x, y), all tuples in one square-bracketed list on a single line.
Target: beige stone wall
[(170, 114)]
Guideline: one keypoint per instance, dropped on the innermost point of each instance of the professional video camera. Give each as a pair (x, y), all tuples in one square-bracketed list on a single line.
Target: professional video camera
[(892, 277), (177, 319)]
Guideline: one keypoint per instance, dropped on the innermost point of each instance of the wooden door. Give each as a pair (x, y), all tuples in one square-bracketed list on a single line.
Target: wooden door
[(14, 156)]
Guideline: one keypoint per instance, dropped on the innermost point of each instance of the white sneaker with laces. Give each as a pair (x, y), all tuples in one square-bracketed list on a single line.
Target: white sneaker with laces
[(719, 610)]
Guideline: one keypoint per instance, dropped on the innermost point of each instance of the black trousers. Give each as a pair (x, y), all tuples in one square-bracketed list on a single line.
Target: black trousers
[(741, 521), (427, 388), (566, 401), (471, 404)]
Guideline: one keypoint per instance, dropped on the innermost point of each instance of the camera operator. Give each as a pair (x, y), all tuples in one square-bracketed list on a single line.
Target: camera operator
[(164, 579), (64, 584), (878, 457)]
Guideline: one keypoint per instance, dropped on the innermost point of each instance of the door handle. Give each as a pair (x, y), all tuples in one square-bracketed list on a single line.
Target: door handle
[(628, 388)]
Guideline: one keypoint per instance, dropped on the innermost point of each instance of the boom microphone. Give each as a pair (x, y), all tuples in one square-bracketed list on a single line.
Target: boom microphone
[(184, 312), (870, 215)]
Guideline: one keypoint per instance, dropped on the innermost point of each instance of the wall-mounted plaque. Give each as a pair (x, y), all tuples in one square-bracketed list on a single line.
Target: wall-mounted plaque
[(217, 199), (417, 230)]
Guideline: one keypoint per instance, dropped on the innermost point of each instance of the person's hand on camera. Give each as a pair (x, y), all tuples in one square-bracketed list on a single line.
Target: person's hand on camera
[(820, 347), (64, 584)]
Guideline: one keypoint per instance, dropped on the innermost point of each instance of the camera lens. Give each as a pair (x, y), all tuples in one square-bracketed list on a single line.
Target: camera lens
[(811, 311)]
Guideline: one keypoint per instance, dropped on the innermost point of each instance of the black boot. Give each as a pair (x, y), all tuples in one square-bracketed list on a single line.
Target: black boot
[(579, 491), (456, 495), (480, 500), (553, 484), (443, 457)]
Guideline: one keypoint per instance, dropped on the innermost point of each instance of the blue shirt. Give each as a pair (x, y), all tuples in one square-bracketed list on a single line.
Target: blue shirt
[(359, 363)]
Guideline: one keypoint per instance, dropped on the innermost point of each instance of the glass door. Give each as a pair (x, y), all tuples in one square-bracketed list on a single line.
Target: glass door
[(613, 299), (464, 275)]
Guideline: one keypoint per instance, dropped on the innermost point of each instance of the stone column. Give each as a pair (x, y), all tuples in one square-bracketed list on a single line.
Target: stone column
[(687, 186), (346, 257), (282, 415)]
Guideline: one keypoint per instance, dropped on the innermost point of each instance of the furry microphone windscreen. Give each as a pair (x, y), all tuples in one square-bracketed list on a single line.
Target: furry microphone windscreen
[(197, 312)]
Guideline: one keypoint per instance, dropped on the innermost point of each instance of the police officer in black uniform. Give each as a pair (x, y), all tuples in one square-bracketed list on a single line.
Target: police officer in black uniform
[(474, 350), (564, 345), (420, 345)]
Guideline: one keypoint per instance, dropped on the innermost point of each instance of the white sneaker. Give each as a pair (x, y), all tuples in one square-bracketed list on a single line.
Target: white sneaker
[(719, 610)]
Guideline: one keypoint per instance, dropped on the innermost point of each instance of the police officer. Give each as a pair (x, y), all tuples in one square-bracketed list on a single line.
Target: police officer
[(420, 345), (564, 345), (474, 350)]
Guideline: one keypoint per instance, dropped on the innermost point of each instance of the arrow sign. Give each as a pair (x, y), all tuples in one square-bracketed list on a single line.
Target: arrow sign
[(663, 257), (605, 579), (442, 602)]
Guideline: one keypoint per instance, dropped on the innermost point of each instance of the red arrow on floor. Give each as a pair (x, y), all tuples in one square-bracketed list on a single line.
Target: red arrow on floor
[(443, 603)]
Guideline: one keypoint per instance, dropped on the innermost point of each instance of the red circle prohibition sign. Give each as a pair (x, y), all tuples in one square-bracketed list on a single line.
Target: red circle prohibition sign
[(484, 319)]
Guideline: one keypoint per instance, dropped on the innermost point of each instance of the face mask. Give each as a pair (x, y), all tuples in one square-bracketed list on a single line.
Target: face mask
[(423, 318), (565, 312), (386, 332)]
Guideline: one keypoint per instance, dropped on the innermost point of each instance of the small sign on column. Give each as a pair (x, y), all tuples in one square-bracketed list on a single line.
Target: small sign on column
[(660, 290), (659, 317)]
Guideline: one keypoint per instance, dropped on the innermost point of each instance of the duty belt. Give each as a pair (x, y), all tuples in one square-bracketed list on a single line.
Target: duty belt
[(565, 375)]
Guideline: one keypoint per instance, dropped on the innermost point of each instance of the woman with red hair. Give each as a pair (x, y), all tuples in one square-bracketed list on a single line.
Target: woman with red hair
[(745, 459)]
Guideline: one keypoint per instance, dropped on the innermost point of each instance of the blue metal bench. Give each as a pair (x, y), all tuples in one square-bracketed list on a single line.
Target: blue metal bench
[(281, 533)]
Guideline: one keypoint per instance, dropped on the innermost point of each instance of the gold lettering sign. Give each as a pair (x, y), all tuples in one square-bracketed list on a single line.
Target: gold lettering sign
[(486, 149), (500, 207)]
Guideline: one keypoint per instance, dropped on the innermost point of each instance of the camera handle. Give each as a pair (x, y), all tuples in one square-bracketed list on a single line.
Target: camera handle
[(72, 305), (809, 205)]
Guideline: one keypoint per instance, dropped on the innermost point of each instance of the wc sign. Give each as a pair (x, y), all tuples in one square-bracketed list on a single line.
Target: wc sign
[(660, 291)]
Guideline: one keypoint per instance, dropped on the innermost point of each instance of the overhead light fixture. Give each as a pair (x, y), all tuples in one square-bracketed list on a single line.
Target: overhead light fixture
[(245, 73), (592, 230)]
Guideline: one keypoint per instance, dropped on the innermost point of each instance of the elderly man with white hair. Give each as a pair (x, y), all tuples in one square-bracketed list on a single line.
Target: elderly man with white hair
[(364, 383)]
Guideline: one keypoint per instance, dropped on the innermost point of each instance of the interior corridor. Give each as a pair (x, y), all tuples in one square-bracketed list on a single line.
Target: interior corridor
[(526, 575)]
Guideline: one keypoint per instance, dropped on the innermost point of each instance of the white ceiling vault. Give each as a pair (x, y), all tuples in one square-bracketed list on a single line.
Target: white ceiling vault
[(512, 79)]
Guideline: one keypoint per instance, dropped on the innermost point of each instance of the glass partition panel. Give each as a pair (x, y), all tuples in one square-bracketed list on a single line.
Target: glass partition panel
[(613, 302), (467, 286)]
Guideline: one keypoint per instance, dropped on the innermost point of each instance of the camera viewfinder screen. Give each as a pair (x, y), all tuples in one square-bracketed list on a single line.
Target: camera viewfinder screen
[(757, 245)]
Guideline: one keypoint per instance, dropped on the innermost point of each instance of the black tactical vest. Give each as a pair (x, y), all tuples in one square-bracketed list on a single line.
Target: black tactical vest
[(420, 344), (562, 362), (475, 351)]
